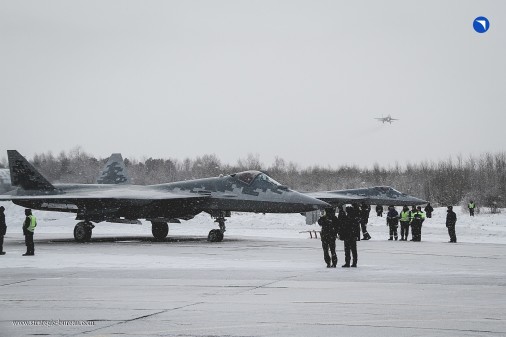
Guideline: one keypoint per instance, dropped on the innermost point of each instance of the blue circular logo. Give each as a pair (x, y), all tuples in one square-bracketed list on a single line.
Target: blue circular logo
[(481, 24)]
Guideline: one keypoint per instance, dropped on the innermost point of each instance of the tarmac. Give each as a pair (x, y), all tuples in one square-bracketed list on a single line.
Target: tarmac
[(250, 286)]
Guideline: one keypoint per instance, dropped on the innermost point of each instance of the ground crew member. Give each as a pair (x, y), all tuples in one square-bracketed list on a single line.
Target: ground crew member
[(405, 219), (349, 232), (416, 224), (471, 207), (379, 210), (451, 220), (329, 224), (28, 229), (392, 222), (428, 210), (411, 213), (3, 229), (364, 219)]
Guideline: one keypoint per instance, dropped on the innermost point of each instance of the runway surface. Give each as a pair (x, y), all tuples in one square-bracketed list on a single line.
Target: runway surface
[(250, 286)]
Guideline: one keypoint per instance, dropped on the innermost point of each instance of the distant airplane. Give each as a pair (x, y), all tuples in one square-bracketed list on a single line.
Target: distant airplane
[(387, 119)]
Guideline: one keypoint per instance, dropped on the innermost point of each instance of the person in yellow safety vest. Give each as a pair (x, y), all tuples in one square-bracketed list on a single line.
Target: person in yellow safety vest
[(28, 229), (471, 207), (405, 219), (416, 224)]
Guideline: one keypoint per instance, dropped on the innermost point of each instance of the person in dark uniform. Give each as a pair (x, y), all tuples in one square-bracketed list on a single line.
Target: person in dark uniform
[(428, 210), (3, 229), (349, 232), (416, 224), (471, 206), (379, 210), (329, 224), (392, 222), (28, 228), (451, 220), (405, 218), (364, 219)]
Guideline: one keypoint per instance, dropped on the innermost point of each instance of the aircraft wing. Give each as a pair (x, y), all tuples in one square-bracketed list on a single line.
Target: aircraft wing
[(380, 195), (117, 194), (105, 205)]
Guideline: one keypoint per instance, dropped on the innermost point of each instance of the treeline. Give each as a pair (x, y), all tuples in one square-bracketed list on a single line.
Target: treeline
[(450, 182)]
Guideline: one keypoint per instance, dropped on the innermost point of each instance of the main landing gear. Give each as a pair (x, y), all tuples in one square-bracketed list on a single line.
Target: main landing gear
[(159, 229), (216, 235), (83, 231)]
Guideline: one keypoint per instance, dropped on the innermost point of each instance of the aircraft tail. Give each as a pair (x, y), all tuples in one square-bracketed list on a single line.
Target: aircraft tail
[(114, 171), (24, 175)]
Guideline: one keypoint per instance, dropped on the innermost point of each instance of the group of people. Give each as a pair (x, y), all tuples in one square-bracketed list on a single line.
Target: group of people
[(347, 225), (28, 229)]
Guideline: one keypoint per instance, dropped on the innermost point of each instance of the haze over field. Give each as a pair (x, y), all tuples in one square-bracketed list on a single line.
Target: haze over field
[(299, 79)]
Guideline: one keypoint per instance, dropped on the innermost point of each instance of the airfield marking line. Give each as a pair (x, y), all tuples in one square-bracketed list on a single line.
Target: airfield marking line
[(438, 255), (136, 318), (8, 284), (406, 327)]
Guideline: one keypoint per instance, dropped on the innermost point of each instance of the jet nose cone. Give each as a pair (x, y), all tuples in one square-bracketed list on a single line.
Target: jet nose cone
[(314, 203)]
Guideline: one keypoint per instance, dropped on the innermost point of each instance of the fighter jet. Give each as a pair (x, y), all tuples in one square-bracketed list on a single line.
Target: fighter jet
[(378, 195), (114, 200), (387, 119)]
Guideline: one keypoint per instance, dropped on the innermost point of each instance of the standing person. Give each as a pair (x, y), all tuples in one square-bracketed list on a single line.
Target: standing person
[(329, 223), (405, 218), (349, 232), (3, 229), (471, 206), (364, 219), (392, 222), (379, 210), (451, 220), (416, 224), (28, 229), (428, 210)]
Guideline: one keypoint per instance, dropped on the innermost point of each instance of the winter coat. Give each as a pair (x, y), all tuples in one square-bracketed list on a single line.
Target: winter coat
[(418, 218), (451, 218), (329, 227), (428, 209), (392, 217), (350, 227), (3, 226)]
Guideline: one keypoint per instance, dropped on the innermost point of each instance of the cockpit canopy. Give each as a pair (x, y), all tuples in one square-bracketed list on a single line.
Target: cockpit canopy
[(248, 177)]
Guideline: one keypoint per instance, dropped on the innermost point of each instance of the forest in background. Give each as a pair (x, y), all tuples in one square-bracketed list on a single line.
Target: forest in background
[(450, 182)]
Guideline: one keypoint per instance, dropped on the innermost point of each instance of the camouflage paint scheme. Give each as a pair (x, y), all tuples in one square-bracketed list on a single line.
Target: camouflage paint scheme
[(379, 195), (249, 191)]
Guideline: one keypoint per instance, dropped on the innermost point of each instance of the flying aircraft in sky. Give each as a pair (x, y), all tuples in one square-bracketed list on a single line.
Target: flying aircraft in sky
[(112, 199), (387, 119)]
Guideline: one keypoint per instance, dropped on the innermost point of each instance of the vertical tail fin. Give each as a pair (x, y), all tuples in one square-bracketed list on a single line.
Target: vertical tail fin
[(24, 175), (114, 171)]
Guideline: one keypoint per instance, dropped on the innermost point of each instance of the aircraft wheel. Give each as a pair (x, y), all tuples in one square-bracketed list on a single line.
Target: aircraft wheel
[(215, 235), (159, 230), (82, 232)]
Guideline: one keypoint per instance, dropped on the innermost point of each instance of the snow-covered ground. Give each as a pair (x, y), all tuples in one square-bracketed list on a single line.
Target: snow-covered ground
[(265, 279)]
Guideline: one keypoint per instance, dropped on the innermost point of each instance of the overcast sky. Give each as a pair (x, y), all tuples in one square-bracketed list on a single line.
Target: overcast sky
[(302, 80)]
